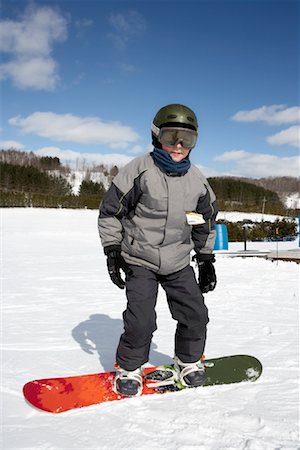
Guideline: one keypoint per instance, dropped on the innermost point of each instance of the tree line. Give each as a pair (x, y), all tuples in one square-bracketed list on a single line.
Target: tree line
[(30, 159), (28, 186), (26, 172), (27, 180), (281, 185), (284, 229), (238, 195), (15, 178)]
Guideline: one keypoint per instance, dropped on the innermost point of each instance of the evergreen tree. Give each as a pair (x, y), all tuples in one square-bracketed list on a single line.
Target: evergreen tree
[(30, 179), (50, 163), (91, 188)]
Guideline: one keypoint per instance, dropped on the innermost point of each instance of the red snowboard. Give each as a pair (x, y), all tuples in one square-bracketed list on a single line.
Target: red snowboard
[(73, 392), (57, 395)]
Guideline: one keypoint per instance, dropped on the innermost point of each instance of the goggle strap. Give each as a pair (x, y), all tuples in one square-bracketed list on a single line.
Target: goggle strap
[(155, 129)]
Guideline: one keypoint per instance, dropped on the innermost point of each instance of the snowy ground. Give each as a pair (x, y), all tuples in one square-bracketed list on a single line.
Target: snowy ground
[(56, 291), (235, 216)]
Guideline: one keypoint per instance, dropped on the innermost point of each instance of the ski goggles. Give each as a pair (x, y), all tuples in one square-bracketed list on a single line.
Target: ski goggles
[(171, 136)]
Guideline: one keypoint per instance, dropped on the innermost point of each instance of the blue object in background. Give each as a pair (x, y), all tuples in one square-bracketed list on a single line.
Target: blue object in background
[(221, 242)]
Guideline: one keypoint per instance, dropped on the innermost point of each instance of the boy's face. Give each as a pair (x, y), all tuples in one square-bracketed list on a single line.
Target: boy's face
[(177, 153)]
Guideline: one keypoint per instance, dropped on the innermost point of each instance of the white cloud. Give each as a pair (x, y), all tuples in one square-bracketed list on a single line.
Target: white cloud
[(70, 128), (35, 73), (232, 155), (128, 68), (136, 149), (72, 157), (29, 42), (289, 136), (126, 26), (82, 25), (272, 115), (257, 165), (7, 145), (208, 172)]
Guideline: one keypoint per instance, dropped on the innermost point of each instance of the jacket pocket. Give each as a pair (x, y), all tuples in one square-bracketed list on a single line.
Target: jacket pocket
[(158, 204)]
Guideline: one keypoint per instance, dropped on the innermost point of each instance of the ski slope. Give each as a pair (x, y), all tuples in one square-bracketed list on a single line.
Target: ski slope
[(62, 316)]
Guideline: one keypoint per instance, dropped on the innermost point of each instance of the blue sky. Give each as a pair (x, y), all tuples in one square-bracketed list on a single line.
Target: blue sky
[(84, 79)]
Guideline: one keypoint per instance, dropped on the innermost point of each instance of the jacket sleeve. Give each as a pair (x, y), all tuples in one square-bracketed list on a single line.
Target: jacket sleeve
[(119, 202), (204, 235)]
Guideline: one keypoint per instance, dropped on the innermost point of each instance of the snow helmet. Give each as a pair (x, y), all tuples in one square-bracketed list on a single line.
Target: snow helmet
[(174, 115)]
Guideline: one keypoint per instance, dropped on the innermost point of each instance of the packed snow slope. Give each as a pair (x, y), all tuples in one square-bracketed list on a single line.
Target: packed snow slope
[(62, 316)]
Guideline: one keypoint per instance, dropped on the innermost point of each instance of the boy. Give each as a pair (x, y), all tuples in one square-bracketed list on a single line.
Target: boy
[(159, 208)]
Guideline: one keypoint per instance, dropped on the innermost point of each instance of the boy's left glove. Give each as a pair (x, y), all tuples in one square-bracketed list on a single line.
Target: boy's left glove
[(207, 279), (116, 262)]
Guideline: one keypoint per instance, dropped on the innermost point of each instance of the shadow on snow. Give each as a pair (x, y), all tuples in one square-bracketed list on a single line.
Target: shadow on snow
[(100, 334)]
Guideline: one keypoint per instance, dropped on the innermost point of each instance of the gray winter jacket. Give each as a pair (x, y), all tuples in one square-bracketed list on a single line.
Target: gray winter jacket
[(144, 211)]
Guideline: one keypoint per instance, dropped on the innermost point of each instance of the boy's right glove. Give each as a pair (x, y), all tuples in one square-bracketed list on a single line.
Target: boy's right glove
[(207, 279), (116, 262)]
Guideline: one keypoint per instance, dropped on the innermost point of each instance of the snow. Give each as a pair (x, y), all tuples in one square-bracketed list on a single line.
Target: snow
[(293, 200), (76, 177), (236, 216), (56, 290)]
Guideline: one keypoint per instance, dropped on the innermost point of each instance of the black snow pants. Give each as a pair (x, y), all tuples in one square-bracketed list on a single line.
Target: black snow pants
[(187, 307)]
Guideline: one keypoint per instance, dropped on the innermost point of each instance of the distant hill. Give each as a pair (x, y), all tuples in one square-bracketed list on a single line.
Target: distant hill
[(287, 188), (281, 185), (239, 195), (25, 172), (31, 180)]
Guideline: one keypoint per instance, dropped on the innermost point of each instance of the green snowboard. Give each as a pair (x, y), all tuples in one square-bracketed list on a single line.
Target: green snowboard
[(224, 370)]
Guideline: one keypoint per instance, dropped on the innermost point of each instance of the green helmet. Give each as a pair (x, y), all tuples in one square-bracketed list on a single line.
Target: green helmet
[(176, 115)]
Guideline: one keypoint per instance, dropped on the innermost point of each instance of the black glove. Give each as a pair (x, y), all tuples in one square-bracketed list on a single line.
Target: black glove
[(207, 279), (116, 262)]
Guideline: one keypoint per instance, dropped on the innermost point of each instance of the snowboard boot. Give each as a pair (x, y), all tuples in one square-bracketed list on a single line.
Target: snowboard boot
[(128, 383), (190, 374)]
